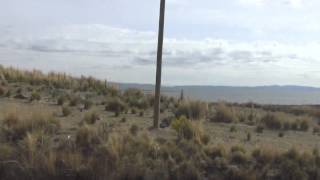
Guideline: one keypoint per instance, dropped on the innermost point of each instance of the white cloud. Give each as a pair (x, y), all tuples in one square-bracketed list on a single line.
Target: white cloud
[(129, 56)]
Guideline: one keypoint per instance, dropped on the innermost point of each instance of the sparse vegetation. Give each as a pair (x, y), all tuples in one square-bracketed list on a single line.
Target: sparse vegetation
[(36, 142)]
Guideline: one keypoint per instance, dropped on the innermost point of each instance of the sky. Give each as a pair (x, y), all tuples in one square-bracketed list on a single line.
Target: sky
[(207, 42)]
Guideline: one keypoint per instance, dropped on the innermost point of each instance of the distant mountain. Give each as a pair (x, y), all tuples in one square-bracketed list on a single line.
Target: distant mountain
[(285, 95)]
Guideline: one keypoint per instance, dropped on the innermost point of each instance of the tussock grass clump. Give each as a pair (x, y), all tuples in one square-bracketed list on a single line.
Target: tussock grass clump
[(224, 114), (134, 129), (91, 117), (304, 125), (87, 137), (272, 121), (61, 100), (35, 96), (136, 98), (188, 129), (192, 109), (18, 125), (75, 100), (66, 111), (116, 105), (87, 104), (2, 90)]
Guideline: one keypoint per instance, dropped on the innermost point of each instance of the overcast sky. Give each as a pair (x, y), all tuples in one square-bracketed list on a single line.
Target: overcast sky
[(208, 42)]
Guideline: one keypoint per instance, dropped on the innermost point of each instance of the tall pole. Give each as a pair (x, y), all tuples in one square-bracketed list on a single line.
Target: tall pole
[(159, 65)]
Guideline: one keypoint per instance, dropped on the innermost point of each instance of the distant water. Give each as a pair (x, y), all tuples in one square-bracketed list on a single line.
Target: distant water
[(282, 95)]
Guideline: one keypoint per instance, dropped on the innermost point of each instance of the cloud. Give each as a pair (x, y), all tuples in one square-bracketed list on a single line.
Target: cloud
[(128, 55), (139, 47)]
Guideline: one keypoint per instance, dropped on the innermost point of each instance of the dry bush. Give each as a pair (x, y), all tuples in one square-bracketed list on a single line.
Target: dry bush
[(272, 121), (116, 105), (87, 104), (136, 98), (61, 100), (2, 90), (17, 125), (86, 137), (35, 96), (66, 111), (192, 109), (91, 117), (304, 124), (216, 152), (188, 129), (134, 129), (75, 100), (224, 114)]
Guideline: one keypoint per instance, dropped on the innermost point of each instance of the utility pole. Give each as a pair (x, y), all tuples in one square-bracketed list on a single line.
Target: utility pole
[(159, 66)]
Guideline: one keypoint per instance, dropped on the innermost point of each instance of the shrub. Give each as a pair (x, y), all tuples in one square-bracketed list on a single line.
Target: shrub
[(224, 114), (239, 157), (295, 125), (272, 121), (237, 148), (259, 129), (61, 100), (86, 137), (123, 120), (133, 111), (286, 125), (136, 98), (2, 91), (192, 110), (17, 127), (116, 105), (87, 104), (187, 129), (248, 136), (35, 96), (304, 125), (216, 151), (74, 101), (66, 111), (316, 130), (141, 114), (91, 117), (264, 156), (134, 129), (281, 134), (233, 129)]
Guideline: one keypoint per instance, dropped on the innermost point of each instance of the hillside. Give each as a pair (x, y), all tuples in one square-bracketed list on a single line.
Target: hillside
[(59, 127)]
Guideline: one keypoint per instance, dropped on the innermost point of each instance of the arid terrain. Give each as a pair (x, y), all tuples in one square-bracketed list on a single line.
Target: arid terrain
[(54, 126)]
